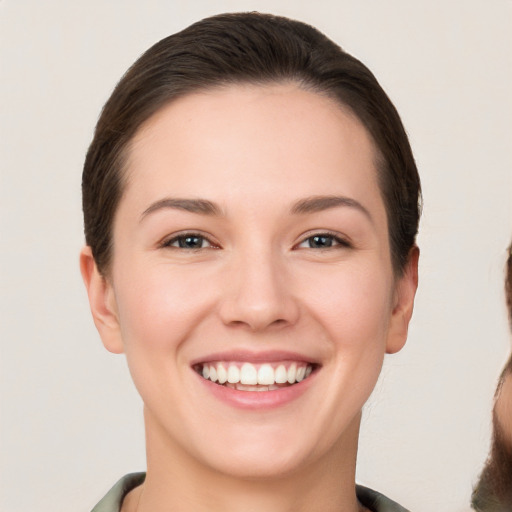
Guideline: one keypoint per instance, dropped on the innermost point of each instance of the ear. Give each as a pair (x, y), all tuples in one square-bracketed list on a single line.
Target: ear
[(405, 291), (102, 302)]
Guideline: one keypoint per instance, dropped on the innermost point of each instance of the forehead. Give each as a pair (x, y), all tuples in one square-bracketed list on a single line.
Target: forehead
[(248, 139)]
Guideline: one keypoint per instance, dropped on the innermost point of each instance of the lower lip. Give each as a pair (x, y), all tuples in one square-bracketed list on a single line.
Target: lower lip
[(258, 400)]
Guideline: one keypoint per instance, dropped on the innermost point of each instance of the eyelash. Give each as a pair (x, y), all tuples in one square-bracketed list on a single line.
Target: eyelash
[(182, 237), (335, 240)]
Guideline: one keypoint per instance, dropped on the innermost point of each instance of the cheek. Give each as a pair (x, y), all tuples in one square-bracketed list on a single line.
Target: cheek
[(355, 315), (353, 304), (158, 309), (159, 306)]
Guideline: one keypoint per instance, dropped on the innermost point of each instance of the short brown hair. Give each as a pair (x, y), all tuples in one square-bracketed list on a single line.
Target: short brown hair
[(246, 48)]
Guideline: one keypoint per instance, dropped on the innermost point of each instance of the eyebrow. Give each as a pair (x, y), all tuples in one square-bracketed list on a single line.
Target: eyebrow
[(315, 204), (307, 205), (201, 206)]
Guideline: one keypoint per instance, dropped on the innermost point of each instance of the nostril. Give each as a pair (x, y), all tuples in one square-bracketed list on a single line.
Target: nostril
[(258, 324), (238, 323)]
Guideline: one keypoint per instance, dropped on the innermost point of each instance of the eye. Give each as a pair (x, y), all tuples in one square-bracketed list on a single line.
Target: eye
[(323, 241), (188, 241)]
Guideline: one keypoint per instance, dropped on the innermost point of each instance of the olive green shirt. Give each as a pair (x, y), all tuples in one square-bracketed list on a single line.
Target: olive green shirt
[(114, 498)]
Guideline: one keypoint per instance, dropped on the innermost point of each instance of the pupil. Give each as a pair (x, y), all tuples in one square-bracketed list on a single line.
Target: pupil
[(321, 241), (191, 242)]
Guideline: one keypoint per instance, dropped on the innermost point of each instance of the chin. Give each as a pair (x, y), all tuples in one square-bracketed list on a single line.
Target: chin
[(254, 464), (267, 451)]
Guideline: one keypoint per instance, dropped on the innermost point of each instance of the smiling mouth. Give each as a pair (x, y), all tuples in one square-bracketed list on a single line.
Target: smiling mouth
[(255, 377)]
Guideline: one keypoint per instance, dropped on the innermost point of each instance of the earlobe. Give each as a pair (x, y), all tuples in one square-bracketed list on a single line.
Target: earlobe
[(102, 302), (404, 303)]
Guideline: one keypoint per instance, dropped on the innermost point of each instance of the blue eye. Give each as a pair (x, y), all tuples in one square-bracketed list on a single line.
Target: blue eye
[(188, 241), (323, 241)]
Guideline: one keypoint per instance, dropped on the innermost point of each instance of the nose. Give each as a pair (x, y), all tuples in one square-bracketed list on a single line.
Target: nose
[(258, 294)]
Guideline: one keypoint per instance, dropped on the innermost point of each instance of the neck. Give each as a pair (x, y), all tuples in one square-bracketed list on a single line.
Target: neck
[(177, 481)]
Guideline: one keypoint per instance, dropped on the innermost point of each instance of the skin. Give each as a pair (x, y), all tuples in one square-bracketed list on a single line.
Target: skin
[(255, 285), (503, 409)]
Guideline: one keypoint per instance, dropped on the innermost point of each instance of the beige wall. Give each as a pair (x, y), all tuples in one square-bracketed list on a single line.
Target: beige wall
[(70, 418)]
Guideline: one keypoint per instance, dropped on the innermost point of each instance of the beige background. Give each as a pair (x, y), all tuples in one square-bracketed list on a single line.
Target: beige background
[(70, 418)]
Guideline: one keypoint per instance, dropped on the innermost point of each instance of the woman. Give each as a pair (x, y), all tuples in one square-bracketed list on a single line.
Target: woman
[(493, 493), (251, 205)]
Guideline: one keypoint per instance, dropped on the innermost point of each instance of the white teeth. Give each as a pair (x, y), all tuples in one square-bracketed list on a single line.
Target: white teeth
[(292, 373), (248, 374), (281, 375), (266, 374), (233, 374), (222, 374), (243, 387)]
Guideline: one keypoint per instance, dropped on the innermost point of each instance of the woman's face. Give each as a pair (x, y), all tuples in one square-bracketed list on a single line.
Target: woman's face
[(251, 242)]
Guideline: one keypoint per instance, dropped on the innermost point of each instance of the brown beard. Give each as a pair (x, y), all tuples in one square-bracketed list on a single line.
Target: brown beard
[(493, 493)]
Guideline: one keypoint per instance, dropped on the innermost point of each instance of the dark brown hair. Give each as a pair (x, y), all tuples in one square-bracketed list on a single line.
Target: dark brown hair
[(246, 48)]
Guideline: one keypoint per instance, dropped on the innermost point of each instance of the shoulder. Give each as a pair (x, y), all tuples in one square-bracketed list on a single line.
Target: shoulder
[(377, 502), (112, 501)]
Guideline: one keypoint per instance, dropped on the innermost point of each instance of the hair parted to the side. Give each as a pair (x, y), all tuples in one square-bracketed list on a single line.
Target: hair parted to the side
[(257, 49)]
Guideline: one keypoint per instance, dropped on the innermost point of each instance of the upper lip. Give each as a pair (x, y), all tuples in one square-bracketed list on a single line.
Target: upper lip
[(267, 356)]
